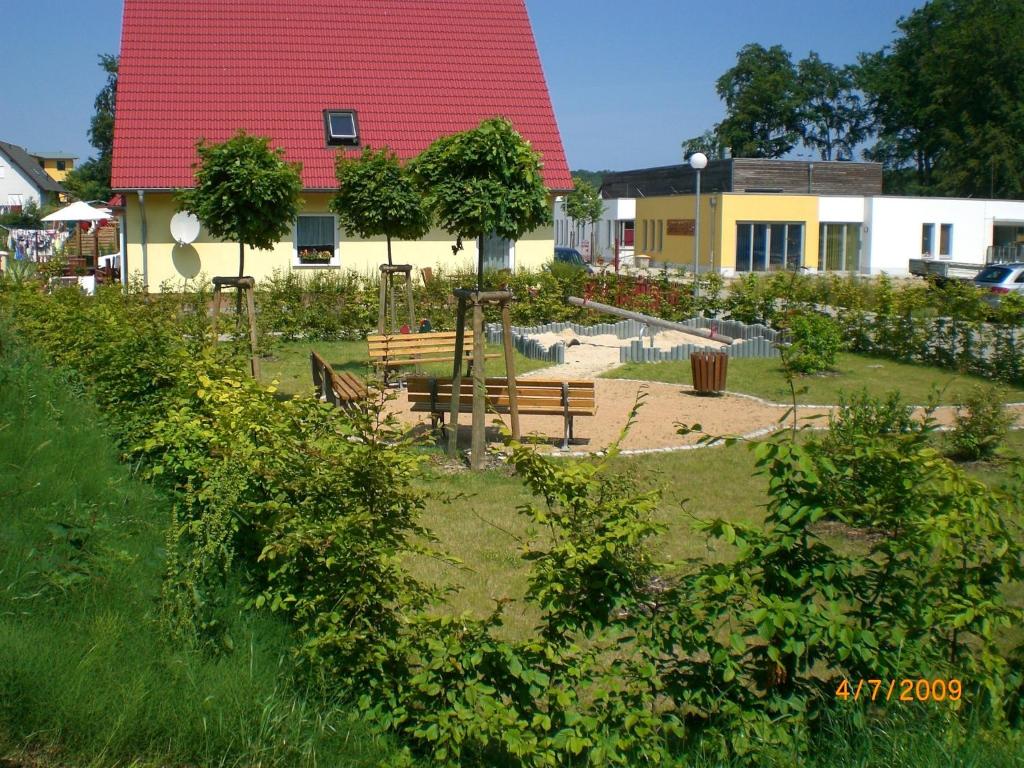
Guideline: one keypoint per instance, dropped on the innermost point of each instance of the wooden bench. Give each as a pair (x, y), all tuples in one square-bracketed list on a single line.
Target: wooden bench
[(402, 349), (537, 397), (341, 389)]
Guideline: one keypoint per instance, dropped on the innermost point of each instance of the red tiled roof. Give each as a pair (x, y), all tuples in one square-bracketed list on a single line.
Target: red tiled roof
[(412, 69)]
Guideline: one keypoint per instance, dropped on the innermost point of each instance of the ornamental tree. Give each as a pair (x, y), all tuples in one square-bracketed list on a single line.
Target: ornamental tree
[(484, 181), (584, 203), (244, 192), (378, 196)]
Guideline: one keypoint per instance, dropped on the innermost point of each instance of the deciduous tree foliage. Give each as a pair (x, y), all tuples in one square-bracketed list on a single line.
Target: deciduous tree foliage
[(377, 196), (484, 181), (832, 115), (244, 192), (709, 142), (91, 179), (947, 98), (584, 203), (762, 102)]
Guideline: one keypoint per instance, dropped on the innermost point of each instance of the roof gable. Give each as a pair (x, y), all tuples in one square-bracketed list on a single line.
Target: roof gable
[(30, 168), (412, 70)]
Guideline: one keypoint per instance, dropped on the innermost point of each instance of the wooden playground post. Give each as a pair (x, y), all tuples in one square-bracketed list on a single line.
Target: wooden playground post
[(453, 408), (248, 285), (387, 297), (479, 298)]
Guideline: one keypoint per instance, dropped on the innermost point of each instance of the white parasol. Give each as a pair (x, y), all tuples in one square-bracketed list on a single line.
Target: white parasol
[(83, 212), (79, 212)]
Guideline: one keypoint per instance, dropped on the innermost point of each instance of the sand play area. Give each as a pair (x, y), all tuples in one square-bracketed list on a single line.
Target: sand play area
[(664, 406)]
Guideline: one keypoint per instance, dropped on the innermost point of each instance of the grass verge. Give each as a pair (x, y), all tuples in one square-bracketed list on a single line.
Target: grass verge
[(86, 676), (764, 378)]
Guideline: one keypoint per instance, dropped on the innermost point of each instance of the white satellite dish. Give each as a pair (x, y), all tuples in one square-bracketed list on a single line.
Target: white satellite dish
[(184, 227)]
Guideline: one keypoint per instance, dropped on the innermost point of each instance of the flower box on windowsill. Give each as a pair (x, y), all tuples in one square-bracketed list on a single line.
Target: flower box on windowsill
[(314, 257)]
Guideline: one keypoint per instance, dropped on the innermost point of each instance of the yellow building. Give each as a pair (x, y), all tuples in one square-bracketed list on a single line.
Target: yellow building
[(739, 232), (56, 164), (163, 262)]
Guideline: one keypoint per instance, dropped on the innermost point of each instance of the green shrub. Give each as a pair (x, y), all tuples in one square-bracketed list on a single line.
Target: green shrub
[(815, 342), (982, 422)]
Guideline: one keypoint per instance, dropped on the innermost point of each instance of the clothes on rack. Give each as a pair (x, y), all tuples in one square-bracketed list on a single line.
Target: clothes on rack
[(35, 244)]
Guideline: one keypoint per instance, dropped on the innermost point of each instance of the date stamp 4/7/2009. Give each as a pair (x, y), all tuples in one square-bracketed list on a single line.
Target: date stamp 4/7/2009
[(905, 690)]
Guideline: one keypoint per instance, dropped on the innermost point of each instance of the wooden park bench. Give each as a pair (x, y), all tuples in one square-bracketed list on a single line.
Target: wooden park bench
[(341, 389), (537, 397), (410, 349)]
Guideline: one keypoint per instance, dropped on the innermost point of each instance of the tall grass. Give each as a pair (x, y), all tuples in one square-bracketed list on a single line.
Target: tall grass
[(85, 672)]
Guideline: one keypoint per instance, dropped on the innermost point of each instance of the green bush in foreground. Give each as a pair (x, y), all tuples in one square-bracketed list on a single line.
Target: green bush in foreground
[(982, 423), (313, 513), (815, 341), (87, 674)]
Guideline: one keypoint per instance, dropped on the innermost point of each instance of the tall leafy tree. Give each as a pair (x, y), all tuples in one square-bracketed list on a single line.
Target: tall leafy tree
[(947, 98), (91, 179), (378, 196), (245, 192), (584, 203), (709, 142), (834, 120), (484, 181), (762, 102)]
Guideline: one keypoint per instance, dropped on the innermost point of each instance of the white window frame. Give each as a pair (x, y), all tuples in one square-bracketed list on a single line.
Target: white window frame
[(929, 251), (341, 140), (335, 260), (510, 252), (946, 229)]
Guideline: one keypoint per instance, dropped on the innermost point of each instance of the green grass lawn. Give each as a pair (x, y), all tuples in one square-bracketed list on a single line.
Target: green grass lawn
[(289, 363), (86, 669), (764, 378), (88, 674)]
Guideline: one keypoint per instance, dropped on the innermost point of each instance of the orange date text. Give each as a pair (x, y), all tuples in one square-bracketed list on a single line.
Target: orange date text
[(902, 690)]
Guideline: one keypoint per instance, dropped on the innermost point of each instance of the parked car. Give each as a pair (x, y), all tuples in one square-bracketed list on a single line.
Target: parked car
[(998, 280), (572, 257)]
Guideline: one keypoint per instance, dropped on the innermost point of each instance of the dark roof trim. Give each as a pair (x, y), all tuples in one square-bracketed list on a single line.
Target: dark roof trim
[(23, 161)]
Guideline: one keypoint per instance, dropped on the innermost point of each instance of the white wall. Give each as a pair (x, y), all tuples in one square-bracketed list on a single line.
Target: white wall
[(14, 185), (571, 233), (841, 210), (895, 226)]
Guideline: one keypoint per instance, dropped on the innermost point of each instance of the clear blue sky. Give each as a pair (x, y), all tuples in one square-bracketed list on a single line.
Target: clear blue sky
[(629, 81)]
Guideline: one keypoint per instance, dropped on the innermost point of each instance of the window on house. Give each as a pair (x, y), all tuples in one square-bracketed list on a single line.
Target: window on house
[(62, 165), (839, 247), (946, 241), (769, 246), (499, 253), (643, 234), (341, 127), (661, 234), (927, 239), (316, 241)]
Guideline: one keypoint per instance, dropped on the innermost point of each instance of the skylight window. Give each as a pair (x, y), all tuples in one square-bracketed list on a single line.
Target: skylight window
[(341, 127)]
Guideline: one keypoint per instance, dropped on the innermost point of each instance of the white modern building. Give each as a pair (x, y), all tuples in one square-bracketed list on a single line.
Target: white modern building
[(612, 236)]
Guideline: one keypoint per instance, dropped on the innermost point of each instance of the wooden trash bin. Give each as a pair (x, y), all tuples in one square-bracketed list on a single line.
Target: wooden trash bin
[(709, 369)]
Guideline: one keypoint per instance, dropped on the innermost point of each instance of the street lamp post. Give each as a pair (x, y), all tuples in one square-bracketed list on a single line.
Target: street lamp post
[(698, 161)]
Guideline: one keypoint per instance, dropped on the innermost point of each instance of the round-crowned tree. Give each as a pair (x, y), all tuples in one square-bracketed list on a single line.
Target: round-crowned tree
[(484, 181), (245, 192), (378, 196)]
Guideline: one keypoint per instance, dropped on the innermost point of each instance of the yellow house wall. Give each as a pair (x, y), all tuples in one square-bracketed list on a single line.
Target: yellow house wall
[(170, 264), (720, 213), (678, 249), (783, 209), (50, 166)]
